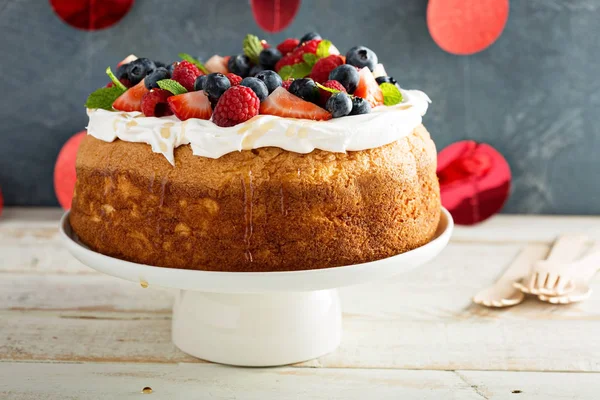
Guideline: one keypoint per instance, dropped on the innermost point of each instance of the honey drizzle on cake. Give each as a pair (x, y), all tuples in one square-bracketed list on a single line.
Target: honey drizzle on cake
[(253, 134), (248, 223)]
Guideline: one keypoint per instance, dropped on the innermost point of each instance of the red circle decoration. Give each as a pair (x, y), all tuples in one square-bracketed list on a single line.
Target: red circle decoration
[(466, 27), (91, 15), (474, 181), (64, 170), (274, 15)]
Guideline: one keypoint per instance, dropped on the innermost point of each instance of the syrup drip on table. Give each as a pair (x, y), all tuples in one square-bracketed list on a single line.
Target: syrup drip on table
[(147, 390), (249, 228), (144, 285)]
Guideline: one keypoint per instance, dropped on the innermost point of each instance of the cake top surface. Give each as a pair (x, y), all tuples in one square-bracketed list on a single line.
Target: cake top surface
[(303, 89)]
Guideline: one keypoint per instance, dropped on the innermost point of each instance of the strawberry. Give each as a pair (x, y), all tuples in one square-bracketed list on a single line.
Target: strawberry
[(131, 100), (368, 88), (217, 64), (190, 105), (322, 68), (127, 60), (284, 104), (288, 45), (296, 56)]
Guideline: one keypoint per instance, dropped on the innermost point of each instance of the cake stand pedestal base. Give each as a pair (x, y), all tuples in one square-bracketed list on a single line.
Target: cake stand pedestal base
[(264, 329)]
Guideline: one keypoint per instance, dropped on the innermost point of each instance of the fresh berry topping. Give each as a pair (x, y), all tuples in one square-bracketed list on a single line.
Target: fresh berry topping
[(284, 104), (339, 105), (321, 70), (236, 105), (310, 36), (269, 57), (171, 68), (190, 105), (199, 83), (288, 45), (239, 65), (287, 83), (368, 88), (255, 70), (306, 89), (265, 45), (257, 86), (347, 75), (154, 103), (131, 100), (127, 60), (215, 85), (124, 81), (385, 79), (361, 56), (186, 73), (138, 69), (122, 71), (234, 79), (324, 95), (160, 64), (271, 79), (297, 56), (217, 64), (159, 74), (360, 106)]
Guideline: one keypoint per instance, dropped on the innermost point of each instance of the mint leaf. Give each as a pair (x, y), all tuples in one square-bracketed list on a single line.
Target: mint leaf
[(323, 48), (195, 61), (295, 71), (310, 59), (114, 79), (104, 98), (252, 47), (172, 86), (330, 90), (391, 94)]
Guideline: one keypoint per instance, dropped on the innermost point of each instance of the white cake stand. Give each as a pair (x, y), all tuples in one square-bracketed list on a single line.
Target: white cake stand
[(257, 318)]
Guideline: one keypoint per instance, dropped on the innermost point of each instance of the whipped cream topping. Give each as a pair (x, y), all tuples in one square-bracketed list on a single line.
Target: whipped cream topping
[(384, 125)]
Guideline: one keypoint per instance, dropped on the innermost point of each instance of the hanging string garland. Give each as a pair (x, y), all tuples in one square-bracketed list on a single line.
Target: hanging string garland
[(274, 15), (474, 181), (91, 15), (64, 170), (466, 27)]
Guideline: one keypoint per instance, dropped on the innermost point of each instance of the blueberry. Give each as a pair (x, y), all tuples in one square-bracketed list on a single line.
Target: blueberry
[(170, 68), (360, 106), (122, 71), (386, 79), (256, 69), (361, 56), (306, 89), (160, 64), (138, 69), (257, 87), (270, 78), (347, 75), (269, 57), (159, 74), (215, 85), (310, 36), (239, 65), (339, 105), (199, 84)]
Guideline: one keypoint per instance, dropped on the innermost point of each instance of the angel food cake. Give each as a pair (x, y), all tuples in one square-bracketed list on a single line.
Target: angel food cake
[(280, 158)]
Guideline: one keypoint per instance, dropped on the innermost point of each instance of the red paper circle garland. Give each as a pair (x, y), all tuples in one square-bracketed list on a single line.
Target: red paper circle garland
[(91, 15), (64, 170), (466, 27), (274, 15), (474, 181)]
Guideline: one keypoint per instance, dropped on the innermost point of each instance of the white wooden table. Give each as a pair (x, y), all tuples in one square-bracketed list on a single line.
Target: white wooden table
[(67, 332)]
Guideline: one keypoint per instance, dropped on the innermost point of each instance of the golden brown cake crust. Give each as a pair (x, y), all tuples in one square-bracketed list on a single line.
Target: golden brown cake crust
[(261, 210)]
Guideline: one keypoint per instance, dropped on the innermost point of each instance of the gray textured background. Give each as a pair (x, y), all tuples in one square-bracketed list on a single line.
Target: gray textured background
[(534, 94)]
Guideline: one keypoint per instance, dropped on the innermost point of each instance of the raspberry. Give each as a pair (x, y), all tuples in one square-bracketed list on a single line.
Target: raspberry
[(286, 84), (186, 73), (288, 45), (322, 68), (154, 103), (234, 79), (325, 95), (296, 56), (238, 104), (124, 81)]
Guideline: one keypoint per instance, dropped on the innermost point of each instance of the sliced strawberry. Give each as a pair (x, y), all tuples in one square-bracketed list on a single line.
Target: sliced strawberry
[(131, 100), (190, 105), (284, 104), (297, 56), (368, 88), (127, 60), (217, 64)]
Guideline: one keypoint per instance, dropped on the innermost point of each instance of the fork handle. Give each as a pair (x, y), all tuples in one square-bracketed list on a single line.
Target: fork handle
[(588, 265), (567, 248), (521, 265)]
